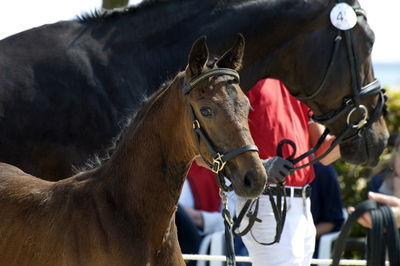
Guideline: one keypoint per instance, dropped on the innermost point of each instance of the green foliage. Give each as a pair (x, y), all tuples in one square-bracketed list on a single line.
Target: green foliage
[(393, 117), (111, 4), (354, 179)]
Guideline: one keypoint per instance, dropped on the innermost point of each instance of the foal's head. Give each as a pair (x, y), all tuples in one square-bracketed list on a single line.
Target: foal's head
[(220, 110)]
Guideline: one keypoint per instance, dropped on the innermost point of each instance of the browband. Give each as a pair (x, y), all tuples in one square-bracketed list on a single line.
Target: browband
[(188, 86)]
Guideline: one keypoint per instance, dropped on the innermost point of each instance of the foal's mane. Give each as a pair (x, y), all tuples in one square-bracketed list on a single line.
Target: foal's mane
[(96, 160), (132, 120)]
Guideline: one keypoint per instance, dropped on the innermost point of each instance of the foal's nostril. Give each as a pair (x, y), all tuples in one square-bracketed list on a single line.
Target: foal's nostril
[(248, 178)]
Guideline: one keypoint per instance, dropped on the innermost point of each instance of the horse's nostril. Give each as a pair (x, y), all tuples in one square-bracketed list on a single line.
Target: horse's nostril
[(248, 178)]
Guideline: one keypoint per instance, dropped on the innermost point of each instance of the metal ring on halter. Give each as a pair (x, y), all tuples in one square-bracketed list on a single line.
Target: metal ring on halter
[(363, 121), (218, 163)]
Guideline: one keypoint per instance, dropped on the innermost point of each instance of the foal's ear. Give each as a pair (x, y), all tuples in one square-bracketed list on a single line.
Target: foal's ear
[(198, 57), (233, 57)]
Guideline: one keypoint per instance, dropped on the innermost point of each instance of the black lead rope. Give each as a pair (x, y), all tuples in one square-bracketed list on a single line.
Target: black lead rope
[(382, 237), (228, 222), (250, 209)]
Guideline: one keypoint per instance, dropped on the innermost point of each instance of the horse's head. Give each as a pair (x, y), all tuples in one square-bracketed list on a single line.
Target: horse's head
[(219, 111), (334, 65)]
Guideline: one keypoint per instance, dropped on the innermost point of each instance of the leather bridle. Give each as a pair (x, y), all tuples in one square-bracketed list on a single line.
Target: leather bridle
[(351, 104), (219, 159)]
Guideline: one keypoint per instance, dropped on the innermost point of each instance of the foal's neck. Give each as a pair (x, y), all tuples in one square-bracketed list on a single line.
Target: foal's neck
[(152, 160)]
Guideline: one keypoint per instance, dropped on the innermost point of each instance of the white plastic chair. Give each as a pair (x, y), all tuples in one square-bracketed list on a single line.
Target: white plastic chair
[(212, 244), (326, 242)]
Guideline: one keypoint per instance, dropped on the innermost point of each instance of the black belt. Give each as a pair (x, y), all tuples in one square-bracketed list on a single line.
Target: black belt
[(301, 192)]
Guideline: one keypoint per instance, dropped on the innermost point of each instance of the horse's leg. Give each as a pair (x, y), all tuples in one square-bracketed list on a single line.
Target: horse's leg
[(170, 252)]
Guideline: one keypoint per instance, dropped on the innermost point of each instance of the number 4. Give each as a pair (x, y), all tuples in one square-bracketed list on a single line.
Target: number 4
[(340, 16)]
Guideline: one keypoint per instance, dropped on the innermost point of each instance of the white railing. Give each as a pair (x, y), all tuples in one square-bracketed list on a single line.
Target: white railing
[(247, 259)]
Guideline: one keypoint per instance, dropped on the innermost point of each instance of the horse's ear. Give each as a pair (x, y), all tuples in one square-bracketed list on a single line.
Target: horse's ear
[(198, 57), (233, 58)]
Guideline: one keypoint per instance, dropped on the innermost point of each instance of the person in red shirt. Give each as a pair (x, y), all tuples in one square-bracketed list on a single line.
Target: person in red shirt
[(277, 115)]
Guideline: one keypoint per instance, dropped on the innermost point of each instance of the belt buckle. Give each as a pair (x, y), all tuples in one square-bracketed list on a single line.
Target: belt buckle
[(304, 191)]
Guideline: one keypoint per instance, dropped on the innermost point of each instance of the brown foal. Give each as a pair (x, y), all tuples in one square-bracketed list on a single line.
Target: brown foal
[(122, 213)]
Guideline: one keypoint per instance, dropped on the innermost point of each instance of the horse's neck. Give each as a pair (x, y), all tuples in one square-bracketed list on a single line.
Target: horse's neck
[(272, 28), (280, 27), (151, 161), (269, 27)]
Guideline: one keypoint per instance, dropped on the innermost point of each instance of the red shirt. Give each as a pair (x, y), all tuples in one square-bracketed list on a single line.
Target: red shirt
[(204, 186), (277, 115)]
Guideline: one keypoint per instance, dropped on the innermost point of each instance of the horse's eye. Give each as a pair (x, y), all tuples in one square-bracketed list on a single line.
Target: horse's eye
[(232, 81), (206, 112)]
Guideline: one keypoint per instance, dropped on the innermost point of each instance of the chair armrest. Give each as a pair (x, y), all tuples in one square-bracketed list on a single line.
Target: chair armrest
[(325, 245)]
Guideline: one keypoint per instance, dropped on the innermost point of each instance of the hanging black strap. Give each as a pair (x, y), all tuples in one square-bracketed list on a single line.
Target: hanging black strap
[(229, 247), (228, 222), (251, 212), (383, 236), (250, 209)]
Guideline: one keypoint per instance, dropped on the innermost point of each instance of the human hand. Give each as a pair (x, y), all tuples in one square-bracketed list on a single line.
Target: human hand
[(277, 168), (392, 201), (195, 215)]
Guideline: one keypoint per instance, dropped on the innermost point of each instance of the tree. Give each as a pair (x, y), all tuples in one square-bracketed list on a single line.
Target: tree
[(111, 4)]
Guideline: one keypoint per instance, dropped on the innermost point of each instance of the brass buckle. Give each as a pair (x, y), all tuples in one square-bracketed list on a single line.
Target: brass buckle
[(218, 163)]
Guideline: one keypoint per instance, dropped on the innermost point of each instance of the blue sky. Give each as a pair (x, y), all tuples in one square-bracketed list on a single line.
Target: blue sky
[(19, 15)]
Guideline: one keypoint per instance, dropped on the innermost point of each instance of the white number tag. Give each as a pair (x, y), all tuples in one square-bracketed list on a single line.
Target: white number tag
[(343, 16)]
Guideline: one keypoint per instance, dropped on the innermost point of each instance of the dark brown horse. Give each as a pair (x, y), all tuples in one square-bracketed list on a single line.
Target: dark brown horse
[(122, 213), (65, 87)]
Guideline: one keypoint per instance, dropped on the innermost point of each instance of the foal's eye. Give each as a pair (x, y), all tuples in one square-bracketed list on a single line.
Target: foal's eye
[(232, 81), (206, 111)]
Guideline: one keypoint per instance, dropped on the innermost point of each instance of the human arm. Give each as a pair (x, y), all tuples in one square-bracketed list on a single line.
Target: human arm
[(392, 201), (324, 228), (195, 216), (326, 201), (206, 222), (396, 186), (315, 131)]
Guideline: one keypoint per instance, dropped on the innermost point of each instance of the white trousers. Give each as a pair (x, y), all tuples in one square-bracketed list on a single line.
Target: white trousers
[(297, 242)]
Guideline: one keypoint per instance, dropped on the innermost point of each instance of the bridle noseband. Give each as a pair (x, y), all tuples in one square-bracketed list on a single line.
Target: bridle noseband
[(219, 159)]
